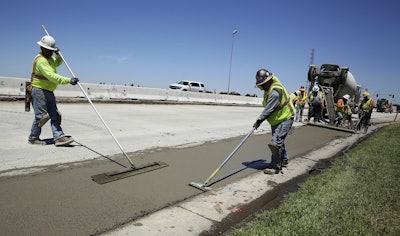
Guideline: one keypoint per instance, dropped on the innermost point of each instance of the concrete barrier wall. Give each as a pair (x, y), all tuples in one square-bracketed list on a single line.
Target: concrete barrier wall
[(16, 87)]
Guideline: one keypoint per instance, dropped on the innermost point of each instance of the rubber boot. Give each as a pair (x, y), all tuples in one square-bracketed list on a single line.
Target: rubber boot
[(277, 162)]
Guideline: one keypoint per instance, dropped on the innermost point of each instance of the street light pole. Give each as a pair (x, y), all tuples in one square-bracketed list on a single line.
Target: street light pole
[(230, 64)]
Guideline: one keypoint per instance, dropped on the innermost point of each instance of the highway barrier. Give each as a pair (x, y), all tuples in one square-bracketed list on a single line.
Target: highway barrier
[(10, 86)]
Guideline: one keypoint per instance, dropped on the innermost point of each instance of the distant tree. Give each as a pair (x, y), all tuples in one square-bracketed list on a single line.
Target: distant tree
[(251, 95), (234, 93)]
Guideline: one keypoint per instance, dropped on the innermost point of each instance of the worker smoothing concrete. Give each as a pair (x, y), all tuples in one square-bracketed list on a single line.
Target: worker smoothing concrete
[(279, 111), (44, 81), (367, 105)]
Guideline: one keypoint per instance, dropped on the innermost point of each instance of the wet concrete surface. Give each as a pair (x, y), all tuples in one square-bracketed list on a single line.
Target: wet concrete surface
[(63, 200)]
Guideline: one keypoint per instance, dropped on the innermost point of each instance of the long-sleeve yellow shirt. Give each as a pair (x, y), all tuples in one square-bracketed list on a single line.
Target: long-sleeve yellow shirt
[(45, 75)]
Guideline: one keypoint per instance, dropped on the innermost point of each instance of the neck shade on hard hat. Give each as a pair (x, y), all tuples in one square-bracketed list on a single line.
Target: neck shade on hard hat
[(263, 76)]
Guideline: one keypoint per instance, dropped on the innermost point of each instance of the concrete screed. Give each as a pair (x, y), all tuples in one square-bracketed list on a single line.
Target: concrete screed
[(154, 126)]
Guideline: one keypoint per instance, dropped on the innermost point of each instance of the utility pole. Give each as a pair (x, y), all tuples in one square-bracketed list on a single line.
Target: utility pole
[(230, 64), (312, 57), (311, 63)]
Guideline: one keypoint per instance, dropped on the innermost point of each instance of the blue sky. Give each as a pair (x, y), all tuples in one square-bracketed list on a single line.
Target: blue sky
[(153, 43)]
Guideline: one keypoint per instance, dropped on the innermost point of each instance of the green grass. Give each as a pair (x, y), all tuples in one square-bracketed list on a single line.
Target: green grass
[(358, 195)]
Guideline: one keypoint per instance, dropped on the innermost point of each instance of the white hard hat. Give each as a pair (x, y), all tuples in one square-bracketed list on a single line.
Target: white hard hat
[(347, 97), (315, 89), (48, 42)]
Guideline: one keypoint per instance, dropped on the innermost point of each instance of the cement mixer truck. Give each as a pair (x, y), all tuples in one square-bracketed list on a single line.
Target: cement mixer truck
[(335, 82)]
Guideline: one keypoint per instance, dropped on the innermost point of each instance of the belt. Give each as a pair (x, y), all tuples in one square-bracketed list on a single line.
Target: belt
[(41, 77)]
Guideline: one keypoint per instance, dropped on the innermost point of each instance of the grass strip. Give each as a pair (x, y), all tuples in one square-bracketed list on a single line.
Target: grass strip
[(358, 195)]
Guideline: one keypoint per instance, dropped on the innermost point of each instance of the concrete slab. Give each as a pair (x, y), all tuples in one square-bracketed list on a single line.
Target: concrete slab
[(136, 127), (49, 190)]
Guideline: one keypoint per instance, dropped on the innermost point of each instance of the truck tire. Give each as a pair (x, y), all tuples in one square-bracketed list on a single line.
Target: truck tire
[(312, 72)]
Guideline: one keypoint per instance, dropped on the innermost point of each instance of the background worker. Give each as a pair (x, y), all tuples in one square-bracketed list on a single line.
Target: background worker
[(279, 112), (316, 103), (300, 104), (347, 111), (44, 81), (343, 111), (367, 105), (339, 108), (294, 97)]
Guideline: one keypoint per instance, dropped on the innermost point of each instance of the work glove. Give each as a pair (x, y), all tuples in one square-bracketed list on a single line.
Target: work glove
[(74, 81), (257, 123), (57, 51)]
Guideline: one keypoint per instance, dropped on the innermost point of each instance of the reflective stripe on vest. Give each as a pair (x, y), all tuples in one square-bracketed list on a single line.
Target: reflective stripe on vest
[(302, 99), (368, 104)]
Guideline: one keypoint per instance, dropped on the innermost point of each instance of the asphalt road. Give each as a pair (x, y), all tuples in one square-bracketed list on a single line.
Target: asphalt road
[(55, 196)]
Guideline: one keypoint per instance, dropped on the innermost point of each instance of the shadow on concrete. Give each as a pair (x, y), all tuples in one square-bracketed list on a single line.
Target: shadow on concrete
[(257, 165), (90, 149)]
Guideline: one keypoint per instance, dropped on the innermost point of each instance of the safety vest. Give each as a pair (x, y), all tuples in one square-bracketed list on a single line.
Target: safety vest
[(44, 73), (340, 105), (293, 98), (302, 98), (312, 97), (285, 110), (367, 105)]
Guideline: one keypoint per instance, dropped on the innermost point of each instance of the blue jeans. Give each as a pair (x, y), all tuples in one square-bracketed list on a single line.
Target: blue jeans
[(44, 102), (299, 112), (279, 133)]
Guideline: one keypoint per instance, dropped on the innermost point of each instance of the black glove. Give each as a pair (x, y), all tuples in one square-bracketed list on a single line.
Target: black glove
[(257, 124), (74, 81), (57, 51)]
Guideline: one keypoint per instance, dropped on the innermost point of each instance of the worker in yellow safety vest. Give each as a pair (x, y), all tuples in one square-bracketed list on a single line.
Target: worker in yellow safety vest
[(367, 105), (300, 104), (316, 103), (279, 111), (294, 97), (44, 81)]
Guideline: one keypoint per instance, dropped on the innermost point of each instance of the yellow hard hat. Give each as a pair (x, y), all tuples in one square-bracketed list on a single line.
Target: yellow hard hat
[(365, 94)]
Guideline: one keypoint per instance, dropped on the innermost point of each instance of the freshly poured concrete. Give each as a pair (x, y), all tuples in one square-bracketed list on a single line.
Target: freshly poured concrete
[(55, 195)]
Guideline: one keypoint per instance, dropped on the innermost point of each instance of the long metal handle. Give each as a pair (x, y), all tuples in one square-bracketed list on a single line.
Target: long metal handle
[(91, 103), (229, 157)]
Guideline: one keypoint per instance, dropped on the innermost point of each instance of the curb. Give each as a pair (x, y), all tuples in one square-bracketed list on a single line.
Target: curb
[(199, 214)]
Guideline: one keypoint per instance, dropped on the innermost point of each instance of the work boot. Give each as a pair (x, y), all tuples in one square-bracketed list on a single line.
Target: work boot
[(36, 142), (272, 171), (285, 162), (64, 141)]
